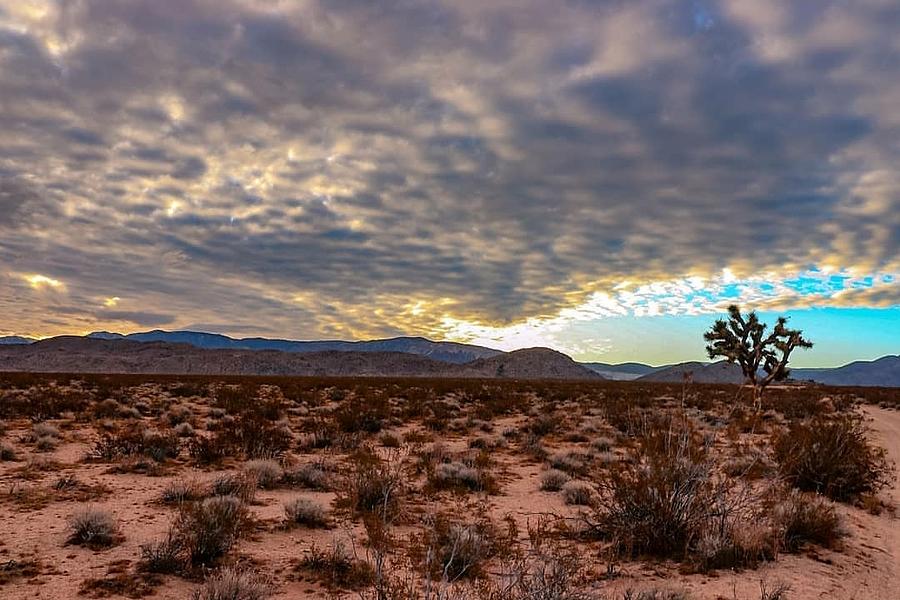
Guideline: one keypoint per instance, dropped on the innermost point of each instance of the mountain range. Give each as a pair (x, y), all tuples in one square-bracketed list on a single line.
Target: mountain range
[(208, 353), (450, 352), (71, 354)]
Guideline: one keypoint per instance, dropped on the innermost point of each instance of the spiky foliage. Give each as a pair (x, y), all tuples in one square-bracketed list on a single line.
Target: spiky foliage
[(742, 339)]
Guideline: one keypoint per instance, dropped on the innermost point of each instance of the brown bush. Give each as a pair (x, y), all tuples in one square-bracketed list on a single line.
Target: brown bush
[(207, 530), (365, 415), (667, 502), (831, 455), (135, 440), (93, 527), (806, 518), (450, 549), (302, 511), (337, 567), (232, 584), (374, 485), (210, 450)]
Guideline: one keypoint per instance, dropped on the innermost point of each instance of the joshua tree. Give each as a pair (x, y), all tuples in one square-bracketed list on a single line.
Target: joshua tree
[(762, 358)]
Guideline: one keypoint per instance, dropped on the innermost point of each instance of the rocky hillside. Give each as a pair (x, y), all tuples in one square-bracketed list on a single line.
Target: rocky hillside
[(522, 364), (91, 355), (451, 352), (884, 371), (717, 372)]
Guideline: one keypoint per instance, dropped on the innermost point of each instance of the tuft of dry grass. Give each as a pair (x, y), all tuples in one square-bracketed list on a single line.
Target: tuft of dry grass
[(552, 480), (577, 493), (266, 472), (181, 491), (233, 584), (804, 518), (208, 529), (93, 527), (235, 484), (303, 511), (337, 567)]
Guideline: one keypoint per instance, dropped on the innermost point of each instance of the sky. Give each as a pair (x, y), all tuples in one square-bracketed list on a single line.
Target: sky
[(600, 177)]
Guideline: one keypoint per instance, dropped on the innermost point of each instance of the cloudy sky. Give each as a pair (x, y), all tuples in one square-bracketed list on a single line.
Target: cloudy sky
[(596, 176)]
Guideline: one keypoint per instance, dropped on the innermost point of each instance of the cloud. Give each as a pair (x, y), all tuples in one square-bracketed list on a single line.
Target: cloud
[(492, 164), (41, 282), (139, 318)]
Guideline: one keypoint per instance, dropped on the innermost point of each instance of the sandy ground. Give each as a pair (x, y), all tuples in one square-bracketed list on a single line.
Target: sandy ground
[(868, 568)]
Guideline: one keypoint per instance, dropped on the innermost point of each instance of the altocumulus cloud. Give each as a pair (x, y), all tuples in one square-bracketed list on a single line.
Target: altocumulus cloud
[(450, 168)]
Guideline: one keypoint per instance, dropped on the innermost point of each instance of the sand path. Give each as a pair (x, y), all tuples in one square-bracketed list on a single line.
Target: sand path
[(885, 426)]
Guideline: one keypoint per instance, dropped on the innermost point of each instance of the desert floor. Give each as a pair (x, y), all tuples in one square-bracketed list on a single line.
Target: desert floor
[(34, 522)]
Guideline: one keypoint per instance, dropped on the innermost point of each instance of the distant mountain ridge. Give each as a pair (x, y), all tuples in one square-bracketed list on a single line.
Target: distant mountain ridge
[(15, 340), (70, 354), (451, 352), (700, 372), (884, 371), (627, 371)]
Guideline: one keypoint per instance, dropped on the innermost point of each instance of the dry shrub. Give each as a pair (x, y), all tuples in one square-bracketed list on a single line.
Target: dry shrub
[(534, 447), (778, 591), (471, 474), (318, 432), (8, 452), (46, 443), (209, 450), (266, 473), (545, 424), (734, 544), (570, 462), (577, 493), (365, 415), (553, 480), (233, 584), (314, 476), (235, 484), (337, 567), (93, 527), (44, 430), (177, 415), (450, 550), (456, 475), (806, 518), (667, 502), (180, 491), (120, 583), (831, 455), (658, 504), (654, 594), (208, 529), (163, 556), (549, 572), (12, 570), (133, 440), (390, 440), (303, 511), (375, 485), (488, 442), (107, 409), (603, 444), (751, 464), (258, 437), (184, 430)]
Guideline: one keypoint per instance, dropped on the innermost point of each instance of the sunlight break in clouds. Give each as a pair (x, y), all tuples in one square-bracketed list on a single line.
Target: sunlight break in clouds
[(42, 281), (690, 296)]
